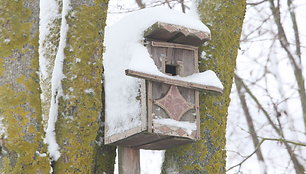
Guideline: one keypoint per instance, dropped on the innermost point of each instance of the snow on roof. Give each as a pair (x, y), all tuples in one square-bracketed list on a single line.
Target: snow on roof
[(124, 50)]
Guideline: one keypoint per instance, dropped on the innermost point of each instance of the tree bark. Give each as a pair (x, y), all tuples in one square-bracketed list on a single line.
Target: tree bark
[(224, 18), (22, 149), (78, 130)]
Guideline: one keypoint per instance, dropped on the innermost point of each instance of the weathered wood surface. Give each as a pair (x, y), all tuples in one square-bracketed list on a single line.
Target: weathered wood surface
[(176, 34), (174, 104), (128, 160), (184, 57), (172, 81), (172, 45), (143, 93), (198, 121), (166, 143), (173, 131), (154, 141), (116, 137)]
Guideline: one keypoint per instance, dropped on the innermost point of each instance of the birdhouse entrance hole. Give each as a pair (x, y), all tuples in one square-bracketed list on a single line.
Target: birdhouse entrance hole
[(171, 69)]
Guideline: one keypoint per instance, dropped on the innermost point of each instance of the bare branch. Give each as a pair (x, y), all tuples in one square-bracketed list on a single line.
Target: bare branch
[(295, 29), (256, 3), (140, 4), (249, 121), (260, 143), (296, 65), (182, 6), (298, 167)]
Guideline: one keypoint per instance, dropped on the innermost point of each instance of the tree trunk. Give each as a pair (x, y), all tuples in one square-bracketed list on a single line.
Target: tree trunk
[(21, 146), (224, 18), (80, 113), (79, 129)]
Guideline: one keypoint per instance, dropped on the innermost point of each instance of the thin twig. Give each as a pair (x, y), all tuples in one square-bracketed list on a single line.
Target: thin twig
[(260, 143)]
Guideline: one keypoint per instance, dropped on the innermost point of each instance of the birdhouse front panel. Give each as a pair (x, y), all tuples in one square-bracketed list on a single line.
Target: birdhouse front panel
[(170, 103)]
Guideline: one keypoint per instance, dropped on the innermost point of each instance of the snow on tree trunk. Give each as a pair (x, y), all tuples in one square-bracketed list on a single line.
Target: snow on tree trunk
[(80, 114), (21, 146), (224, 18), (49, 27)]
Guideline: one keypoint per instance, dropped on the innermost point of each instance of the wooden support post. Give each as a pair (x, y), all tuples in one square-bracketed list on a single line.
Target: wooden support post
[(128, 160)]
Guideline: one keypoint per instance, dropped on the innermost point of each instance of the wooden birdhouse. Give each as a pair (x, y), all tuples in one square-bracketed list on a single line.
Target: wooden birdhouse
[(169, 99)]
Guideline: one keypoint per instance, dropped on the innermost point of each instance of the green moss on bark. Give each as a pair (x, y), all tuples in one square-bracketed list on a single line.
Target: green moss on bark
[(81, 107), (19, 89), (224, 18)]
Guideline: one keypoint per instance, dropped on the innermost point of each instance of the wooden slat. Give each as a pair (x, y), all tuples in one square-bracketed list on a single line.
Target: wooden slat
[(143, 94), (172, 131), (198, 120), (116, 137), (172, 81), (167, 143), (129, 160), (173, 45), (150, 106)]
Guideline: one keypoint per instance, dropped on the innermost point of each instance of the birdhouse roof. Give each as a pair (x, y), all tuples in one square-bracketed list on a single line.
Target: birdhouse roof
[(176, 34)]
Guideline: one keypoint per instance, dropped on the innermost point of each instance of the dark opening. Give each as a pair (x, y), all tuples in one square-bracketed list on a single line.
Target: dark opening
[(171, 69)]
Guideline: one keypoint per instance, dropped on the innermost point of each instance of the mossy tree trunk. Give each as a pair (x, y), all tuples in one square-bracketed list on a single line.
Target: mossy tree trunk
[(224, 19), (21, 146), (78, 130)]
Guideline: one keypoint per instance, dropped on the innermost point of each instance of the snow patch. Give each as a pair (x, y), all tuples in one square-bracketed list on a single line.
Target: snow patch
[(77, 60), (154, 158), (262, 166), (2, 129), (187, 126), (41, 154), (70, 89), (56, 86), (89, 91), (7, 40), (48, 13)]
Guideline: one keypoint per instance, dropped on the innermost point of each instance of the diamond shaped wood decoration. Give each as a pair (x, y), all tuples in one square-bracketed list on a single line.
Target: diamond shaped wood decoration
[(174, 103)]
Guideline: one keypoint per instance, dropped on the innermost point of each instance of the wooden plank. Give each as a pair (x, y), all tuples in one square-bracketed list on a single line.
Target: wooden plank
[(139, 139), (143, 93), (172, 45), (198, 120), (173, 131), (172, 81), (167, 143), (128, 160), (159, 90), (150, 105), (116, 137), (187, 60), (159, 55), (196, 60)]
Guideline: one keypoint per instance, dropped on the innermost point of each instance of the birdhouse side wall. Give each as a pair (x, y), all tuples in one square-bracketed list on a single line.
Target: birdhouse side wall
[(142, 117)]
